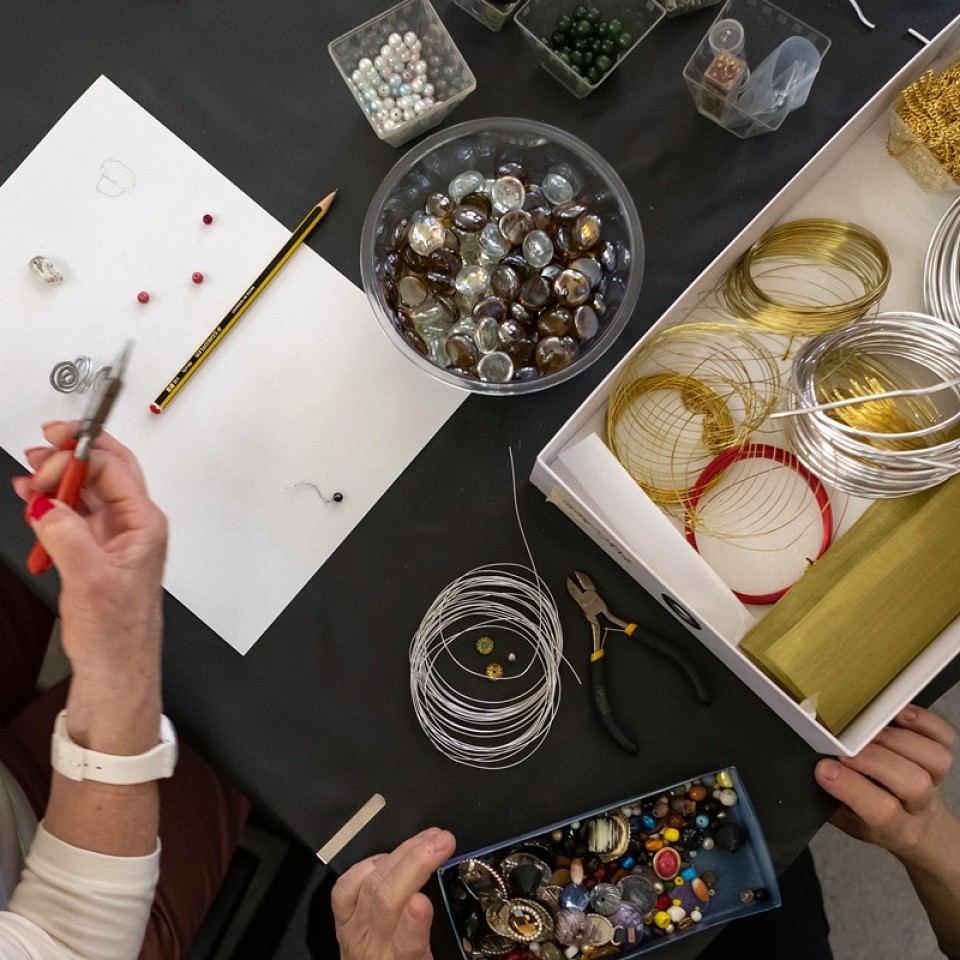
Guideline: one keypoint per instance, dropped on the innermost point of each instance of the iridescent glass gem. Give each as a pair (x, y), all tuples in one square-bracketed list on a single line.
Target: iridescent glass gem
[(586, 231), (521, 351), (479, 200), (462, 351), (438, 205), (557, 189), (495, 367), (467, 219), (493, 241), (535, 293), (555, 322), (465, 183), (511, 168), (445, 261), (571, 287), (590, 268), (586, 322), (439, 282), (472, 280), (515, 225), (492, 307), (510, 331), (426, 235), (487, 335), (507, 193), (537, 248), (505, 281), (412, 290), (570, 210), (609, 256), (555, 353)]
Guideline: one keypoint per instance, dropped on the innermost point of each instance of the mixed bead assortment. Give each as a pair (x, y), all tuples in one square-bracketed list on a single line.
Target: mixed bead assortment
[(395, 86), (603, 886), (500, 279), (588, 43)]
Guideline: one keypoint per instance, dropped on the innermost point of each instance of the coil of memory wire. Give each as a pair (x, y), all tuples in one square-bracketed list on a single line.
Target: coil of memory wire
[(849, 457), (941, 268), (77, 376), (491, 734)]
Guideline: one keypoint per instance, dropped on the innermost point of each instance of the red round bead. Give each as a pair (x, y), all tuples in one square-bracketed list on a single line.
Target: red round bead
[(143, 296), (600, 873), (207, 219), (197, 277), (663, 901)]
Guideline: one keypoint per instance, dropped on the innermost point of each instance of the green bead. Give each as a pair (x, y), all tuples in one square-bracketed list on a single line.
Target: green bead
[(576, 58), (615, 27), (564, 23), (595, 44), (583, 28), (558, 40), (581, 43), (579, 12), (565, 54), (594, 15), (609, 47), (625, 40), (603, 63), (594, 75), (588, 58), (602, 29)]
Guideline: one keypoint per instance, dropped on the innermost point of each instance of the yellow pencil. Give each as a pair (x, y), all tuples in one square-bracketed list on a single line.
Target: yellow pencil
[(236, 311)]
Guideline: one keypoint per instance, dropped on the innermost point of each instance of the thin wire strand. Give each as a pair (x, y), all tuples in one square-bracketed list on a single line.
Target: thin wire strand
[(863, 19)]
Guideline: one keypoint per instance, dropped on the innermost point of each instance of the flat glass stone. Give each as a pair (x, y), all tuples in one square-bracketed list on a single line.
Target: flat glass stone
[(586, 231), (542, 219), (507, 193), (555, 323), (551, 271), (511, 331), (464, 327), (391, 265), (487, 335), (586, 322), (437, 352), (555, 353), (495, 367), (599, 304), (493, 241), (535, 293), (521, 351), (412, 290), (416, 341), (505, 282), (445, 261), (526, 374), (472, 280), (511, 168), (415, 261), (479, 200), (462, 352), (537, 248), (492, 307), (438, 205), (426, 235), (570, 210), (556, 188), (451, 241), (390, 293), (590, 268), (465, 183), (430, 318), (571, 287), (609, 256), (515, 225), (438, 282), (470, 248), (467, 219)]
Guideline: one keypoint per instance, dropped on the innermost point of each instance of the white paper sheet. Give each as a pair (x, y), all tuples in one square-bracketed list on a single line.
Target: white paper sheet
[(305, 387)]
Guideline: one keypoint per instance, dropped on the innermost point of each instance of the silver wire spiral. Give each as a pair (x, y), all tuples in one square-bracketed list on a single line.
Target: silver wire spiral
[(941, 268), (77, 376), (916, 351)]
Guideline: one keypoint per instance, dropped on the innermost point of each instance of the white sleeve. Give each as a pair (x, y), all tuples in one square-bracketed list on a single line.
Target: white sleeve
[(73, 904)]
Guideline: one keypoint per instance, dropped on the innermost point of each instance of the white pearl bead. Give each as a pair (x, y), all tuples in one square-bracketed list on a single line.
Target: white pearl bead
[(379, 61), (404, 90), (410, 38), (418, 107), (428, 90), (386, 50), (387, 103), (356, 76), (417, 85), (383, 90), (395, 40), (407, 75), (408, 114), (420, 68), (389, 126), (428, 102), (395, 82), (396, 114), (365, 64)]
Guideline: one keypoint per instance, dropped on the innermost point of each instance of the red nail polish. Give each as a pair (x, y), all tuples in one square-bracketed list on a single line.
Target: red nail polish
[(40, 507)]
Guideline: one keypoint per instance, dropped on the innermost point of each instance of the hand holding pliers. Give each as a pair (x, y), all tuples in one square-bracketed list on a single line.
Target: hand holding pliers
[(585, 593)]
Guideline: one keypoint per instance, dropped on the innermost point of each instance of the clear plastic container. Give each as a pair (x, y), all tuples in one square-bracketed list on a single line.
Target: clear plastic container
[(538, 19), (718, 74), (675, 8), (483, 145), (448, 72), (743, 884), (491, 15)]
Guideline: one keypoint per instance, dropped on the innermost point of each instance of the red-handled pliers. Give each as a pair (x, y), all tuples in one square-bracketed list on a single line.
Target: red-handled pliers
[(102, 398)]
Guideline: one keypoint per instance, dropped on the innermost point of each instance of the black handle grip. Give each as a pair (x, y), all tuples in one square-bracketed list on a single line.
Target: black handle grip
[(598, 680), (664, 648)]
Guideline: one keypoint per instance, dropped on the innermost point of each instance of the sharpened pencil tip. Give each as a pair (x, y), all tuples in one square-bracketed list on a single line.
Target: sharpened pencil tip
[(327, 200)]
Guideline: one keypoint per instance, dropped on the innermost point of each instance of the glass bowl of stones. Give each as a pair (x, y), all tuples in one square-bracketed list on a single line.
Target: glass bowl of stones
[(502, 255)]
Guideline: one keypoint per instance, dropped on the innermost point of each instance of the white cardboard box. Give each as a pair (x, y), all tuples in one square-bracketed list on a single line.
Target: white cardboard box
[(852, 178)]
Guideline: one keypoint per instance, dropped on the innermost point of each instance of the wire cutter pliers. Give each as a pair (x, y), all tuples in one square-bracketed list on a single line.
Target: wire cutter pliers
[(102, 397), (585, 593)]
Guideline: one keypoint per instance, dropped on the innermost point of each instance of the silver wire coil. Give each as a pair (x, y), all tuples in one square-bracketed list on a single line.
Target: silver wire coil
[(925, 351), (941, 268), (76, 376)]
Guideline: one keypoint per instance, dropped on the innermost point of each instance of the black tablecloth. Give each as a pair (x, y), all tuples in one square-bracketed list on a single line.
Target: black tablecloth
[(317, 716)]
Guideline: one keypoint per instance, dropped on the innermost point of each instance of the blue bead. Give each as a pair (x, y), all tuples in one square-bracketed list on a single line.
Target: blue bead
[(702, 821), (627, 862), (648, 822), (574, 896), (688, 873)]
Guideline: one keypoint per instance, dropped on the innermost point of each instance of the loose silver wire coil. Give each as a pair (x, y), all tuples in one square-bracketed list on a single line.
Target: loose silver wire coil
[(921, 349), (941, 268), (76, 376)]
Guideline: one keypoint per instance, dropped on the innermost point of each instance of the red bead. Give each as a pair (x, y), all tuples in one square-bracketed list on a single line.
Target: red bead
[(207, 219), (589, 883), (600, 874), (197, 277), (663, 901), (143, 296)]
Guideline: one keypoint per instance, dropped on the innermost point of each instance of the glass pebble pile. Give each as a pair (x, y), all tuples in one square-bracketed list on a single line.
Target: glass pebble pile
[(395, 86), (603, 886), (500, 278)]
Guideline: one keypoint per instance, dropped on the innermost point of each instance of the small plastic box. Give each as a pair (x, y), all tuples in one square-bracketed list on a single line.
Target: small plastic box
[(491, 15), (675, 8), (744, 883), (448, 71), (537, 20), (714, 74)]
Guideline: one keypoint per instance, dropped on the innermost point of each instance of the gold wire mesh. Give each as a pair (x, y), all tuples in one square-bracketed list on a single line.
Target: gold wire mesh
[(807, 277)]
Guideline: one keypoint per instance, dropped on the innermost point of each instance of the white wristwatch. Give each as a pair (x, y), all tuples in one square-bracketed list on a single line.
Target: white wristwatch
[(77, 763)]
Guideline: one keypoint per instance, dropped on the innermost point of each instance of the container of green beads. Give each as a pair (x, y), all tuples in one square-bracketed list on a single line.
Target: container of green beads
[(581, 45), (493, 14)]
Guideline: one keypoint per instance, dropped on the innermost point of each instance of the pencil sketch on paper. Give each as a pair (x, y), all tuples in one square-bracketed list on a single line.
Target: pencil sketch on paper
[(116, 179)]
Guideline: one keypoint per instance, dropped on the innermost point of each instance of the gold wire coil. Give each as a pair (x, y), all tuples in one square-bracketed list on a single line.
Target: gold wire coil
[(685, 395), (832, 248)]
